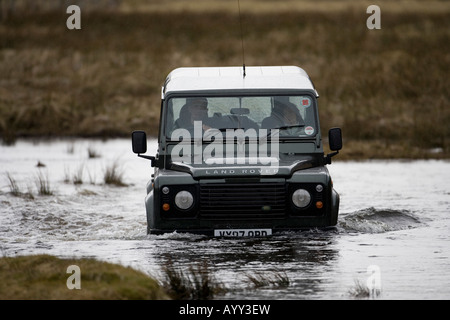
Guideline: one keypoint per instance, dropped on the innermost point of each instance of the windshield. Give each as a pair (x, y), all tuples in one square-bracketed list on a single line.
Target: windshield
[(293, 116)]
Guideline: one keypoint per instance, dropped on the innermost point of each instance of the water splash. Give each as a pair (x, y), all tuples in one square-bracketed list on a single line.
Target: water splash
[(373, 220)]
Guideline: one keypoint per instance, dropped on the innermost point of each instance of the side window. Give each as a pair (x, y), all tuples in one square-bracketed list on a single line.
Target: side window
[(173, 113), (177, 104)]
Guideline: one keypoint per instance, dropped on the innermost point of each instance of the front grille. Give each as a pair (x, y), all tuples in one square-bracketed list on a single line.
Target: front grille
[(242, 201)]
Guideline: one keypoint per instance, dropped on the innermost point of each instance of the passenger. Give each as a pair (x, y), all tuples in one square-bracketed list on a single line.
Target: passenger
[(195, 109), (284, 114)]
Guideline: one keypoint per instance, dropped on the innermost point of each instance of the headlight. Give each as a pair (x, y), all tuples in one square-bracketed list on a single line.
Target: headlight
[(301, 198), (184, 200)]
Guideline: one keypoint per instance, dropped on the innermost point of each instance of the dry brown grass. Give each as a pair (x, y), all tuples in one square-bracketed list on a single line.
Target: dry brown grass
[(389, 85), (271, 6)]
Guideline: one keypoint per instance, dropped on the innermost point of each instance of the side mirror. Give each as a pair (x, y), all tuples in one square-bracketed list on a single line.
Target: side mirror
[(335, 139), (139, 141)]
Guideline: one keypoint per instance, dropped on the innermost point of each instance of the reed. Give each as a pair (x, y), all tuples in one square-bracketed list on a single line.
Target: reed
[(362, 291), (13, 186), (43, 184), (93, 153), (276, 279), (113, 175), (77, 177), (195, 283)]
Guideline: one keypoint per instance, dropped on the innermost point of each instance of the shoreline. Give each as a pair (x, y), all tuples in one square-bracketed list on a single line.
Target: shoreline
[(353, 150)]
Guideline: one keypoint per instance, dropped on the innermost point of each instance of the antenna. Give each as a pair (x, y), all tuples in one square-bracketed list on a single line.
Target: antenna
[(242, 38)]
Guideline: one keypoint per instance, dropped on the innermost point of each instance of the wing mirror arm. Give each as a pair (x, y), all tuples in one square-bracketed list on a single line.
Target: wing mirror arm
[(151, 158), (329, 156)]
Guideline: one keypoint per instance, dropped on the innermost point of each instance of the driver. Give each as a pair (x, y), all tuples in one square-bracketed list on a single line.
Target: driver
[(284, 114), (195, 109)]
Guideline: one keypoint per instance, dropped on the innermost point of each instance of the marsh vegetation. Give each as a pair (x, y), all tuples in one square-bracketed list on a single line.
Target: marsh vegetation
[(388, 89), (42, 277)]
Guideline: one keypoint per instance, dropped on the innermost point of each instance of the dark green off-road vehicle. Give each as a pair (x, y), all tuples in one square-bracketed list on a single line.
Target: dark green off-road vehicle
[(239, 154)]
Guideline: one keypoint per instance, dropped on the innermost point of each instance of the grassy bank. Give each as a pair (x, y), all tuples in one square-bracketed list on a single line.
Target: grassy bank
[(388, 89), (44, 277)]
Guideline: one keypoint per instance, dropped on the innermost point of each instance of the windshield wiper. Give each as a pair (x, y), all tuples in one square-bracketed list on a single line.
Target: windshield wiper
[(225, 129), (290, 126)]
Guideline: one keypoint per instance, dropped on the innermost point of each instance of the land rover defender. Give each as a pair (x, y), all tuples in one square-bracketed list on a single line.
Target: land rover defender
[(239, 154)]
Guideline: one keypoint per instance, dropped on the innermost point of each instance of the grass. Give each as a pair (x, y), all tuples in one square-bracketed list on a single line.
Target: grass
[(43, 184), (113, 175), (16, 190), (77, 177), (360, 290), (41, 181), (13, 186), (93, 153), (196, 283), (387, 87), (44, 277), (276, 279)]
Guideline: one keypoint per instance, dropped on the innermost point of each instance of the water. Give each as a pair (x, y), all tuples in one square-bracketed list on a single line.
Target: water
[(394, 220)]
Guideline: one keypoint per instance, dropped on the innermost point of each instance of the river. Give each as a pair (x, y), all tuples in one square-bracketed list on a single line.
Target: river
[(392, 233)]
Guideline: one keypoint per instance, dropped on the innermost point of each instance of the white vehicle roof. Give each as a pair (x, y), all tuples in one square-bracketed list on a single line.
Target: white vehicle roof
[(231, 78)]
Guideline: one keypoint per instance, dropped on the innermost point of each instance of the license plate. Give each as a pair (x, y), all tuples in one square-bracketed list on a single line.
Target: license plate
[(242, 232)]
